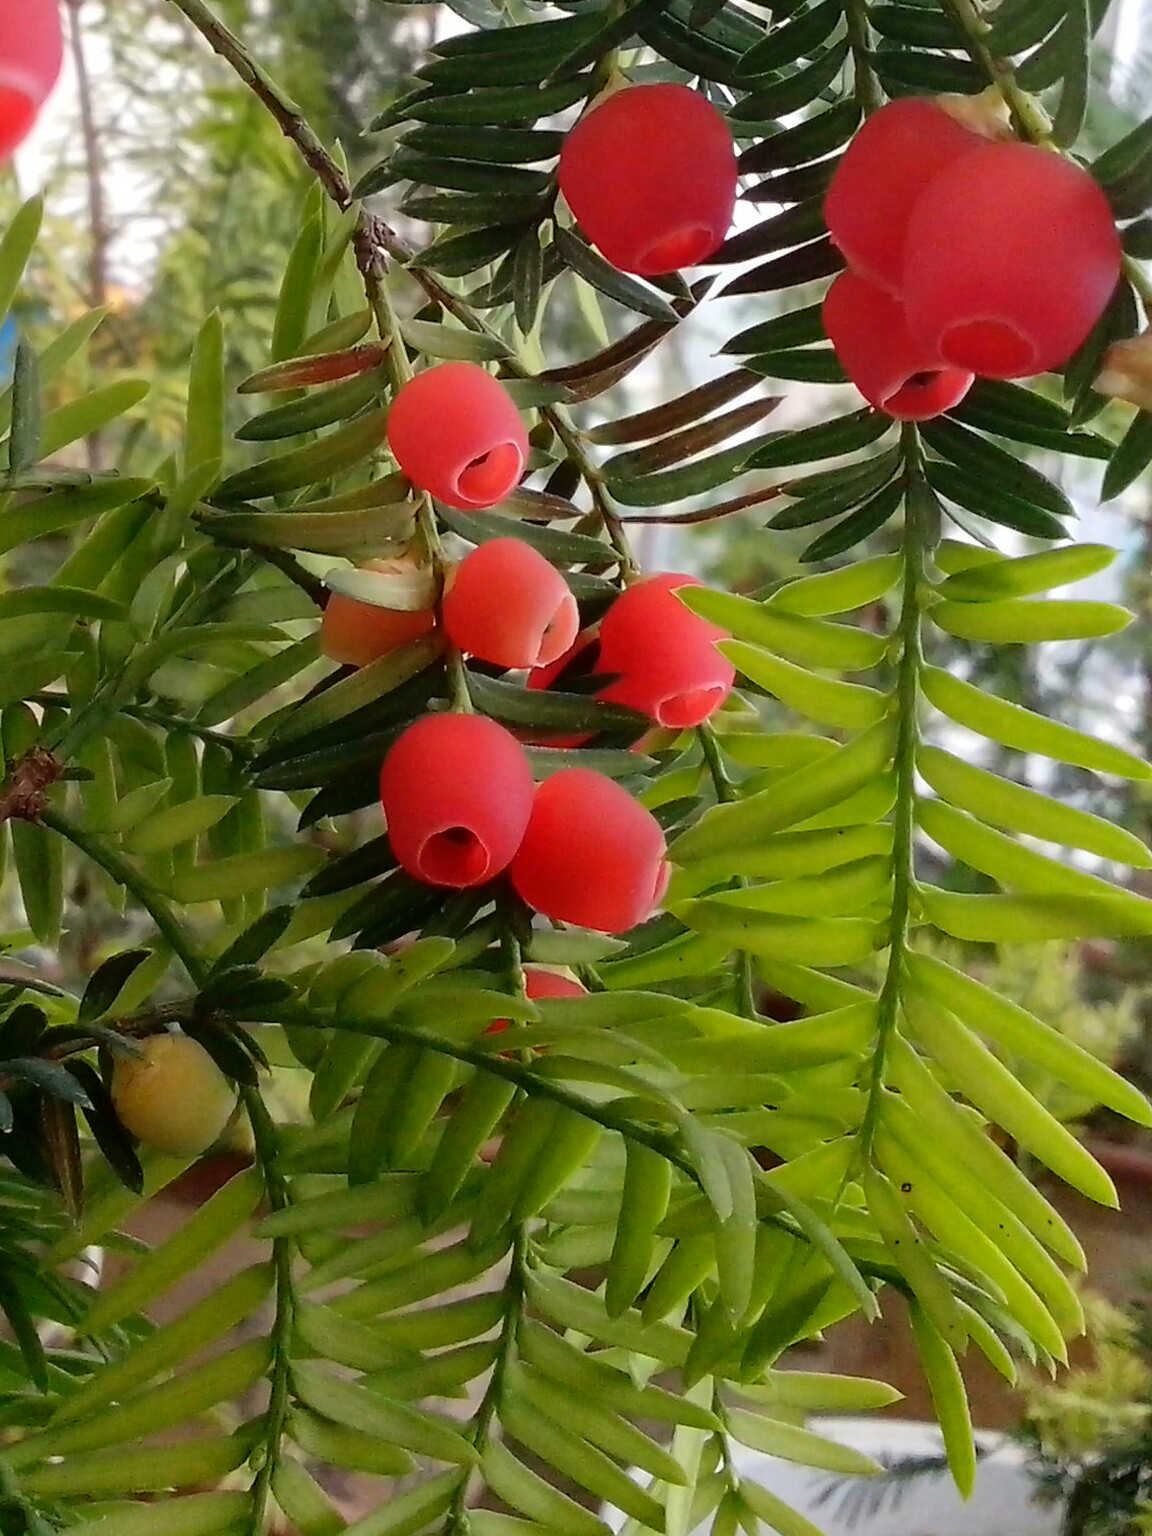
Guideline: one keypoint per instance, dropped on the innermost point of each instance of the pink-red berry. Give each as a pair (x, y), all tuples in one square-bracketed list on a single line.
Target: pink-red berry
[(457, 794), (650, 176), (1011, 257), (885, 170), (31, 53), (591, 855), (540, 983), (508, 606), (455, 432), (355, 633), (891, 369), (664, 657)]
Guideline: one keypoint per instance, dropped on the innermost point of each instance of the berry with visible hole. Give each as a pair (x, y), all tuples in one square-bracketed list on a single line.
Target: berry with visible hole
[(891, 369), (664, 657), (650, 176), (457, 794), (456, 433), (508, 606), (1011, 258)]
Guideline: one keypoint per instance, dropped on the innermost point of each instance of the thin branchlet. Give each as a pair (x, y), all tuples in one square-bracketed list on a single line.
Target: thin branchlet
[(908, 734)]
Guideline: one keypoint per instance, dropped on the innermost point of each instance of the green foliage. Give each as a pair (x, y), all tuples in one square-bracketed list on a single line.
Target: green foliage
[(432, 1196)]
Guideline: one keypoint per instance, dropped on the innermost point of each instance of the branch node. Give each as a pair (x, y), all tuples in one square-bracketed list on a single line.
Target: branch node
[(25, 793)]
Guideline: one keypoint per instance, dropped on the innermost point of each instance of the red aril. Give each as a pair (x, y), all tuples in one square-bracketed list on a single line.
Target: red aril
[(507, 605), (540, 983), (1011, 258), (457, 794), (664, 657), (456, 433), (591, 855), (650, 176), (355, 633), (31, 53), (891, 369), (885, 170)]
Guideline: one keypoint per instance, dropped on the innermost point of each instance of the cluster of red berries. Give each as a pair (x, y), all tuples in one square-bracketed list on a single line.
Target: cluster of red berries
[(457, 790), (456, 433), (966, 256), (31, 53), (462, 808)]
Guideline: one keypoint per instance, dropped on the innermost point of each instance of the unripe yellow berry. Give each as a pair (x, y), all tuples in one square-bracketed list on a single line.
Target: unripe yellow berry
[(173, 1096)]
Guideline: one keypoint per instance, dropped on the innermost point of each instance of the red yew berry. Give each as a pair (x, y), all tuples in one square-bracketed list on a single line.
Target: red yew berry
[(664, 657), (507, 605), (456, 433), (880, 179), (355, 633), (457, 794), (31, 52), (591, 855), (540, 983), (650, 176), (891, 369), (1011, 258)]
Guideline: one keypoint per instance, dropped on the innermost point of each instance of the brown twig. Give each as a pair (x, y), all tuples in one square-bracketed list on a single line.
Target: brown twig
[(708, 514), (24, 796), (375, 239)]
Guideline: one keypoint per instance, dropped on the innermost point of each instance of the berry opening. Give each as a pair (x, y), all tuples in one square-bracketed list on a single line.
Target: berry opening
[(490, 477), (559, 633), (663, 876), (927, 394), (680, 710), (682, 248), (990, 347), (454, 856)]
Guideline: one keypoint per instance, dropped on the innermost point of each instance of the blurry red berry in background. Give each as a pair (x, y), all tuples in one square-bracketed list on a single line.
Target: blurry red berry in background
[(1012, 257), (540, 983), (507, 605), (457, 794), (355, 633), (886, 168), (591, 855), (456, 433), (892, 370), (650, 177), (31, 52), (665, 657)]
